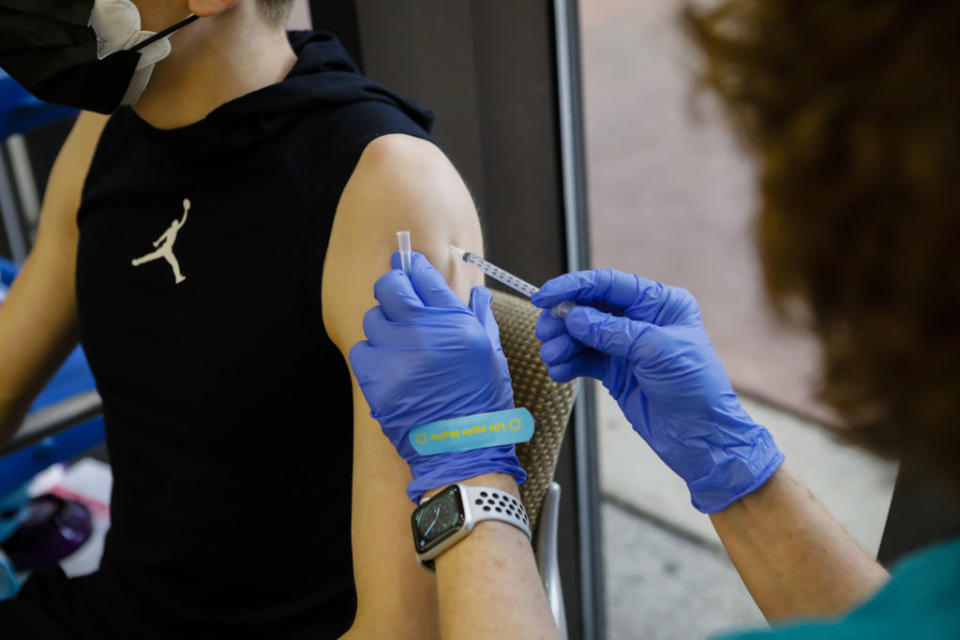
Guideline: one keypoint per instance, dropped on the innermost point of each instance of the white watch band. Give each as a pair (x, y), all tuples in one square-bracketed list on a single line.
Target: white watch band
[(485, 503), (479, 504)]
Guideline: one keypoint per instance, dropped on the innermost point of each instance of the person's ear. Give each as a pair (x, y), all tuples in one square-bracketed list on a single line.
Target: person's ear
[(208, 8)]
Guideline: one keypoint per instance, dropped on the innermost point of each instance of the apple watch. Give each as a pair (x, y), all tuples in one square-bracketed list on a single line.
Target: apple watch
[(449, 516)]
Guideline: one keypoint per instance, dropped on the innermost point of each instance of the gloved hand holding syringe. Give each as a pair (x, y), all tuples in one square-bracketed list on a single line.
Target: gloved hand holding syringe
[(646, 343)]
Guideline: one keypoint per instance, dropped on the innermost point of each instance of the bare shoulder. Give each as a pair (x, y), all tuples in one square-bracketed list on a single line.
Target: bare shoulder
[(400, 183), (88, 126), (82, 141), (400, 176), (65, 186)]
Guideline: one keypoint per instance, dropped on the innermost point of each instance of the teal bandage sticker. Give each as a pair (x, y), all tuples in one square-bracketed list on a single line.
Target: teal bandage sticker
[(473, 432)]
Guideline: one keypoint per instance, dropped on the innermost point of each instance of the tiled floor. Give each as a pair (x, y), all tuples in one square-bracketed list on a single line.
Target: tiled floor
[(661, 586)]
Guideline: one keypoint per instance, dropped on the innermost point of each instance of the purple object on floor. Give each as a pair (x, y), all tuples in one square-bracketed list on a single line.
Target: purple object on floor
[(53, 529)]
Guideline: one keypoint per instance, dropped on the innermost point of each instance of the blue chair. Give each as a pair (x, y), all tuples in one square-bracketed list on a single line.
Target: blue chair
[(20, 112), (63, 422), (64, 419)]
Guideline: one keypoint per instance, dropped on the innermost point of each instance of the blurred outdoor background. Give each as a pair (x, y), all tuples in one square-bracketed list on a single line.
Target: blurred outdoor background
[(672, 198)]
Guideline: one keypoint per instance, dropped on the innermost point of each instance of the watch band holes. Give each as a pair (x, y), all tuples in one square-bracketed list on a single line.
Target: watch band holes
[(504, 504)]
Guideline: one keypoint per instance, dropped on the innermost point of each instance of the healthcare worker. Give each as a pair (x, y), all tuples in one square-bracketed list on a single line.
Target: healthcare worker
[(851, 112)]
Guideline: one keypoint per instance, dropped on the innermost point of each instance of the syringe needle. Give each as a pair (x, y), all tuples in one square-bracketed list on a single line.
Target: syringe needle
[(507, 278)]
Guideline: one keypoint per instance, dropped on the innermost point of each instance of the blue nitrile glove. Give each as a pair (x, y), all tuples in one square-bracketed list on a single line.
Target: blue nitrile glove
[(647, 344), (429, 357)]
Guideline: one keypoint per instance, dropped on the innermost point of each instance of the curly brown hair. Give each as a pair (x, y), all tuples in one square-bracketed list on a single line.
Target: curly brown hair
[(851, 109)]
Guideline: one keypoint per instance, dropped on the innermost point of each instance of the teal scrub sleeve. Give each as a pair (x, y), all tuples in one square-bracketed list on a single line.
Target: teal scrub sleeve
[(921, 600)]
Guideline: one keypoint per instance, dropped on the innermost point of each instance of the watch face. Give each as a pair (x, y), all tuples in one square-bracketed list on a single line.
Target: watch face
[(438, 519)]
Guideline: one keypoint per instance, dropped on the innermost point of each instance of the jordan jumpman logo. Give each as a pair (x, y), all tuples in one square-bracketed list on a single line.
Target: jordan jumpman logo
[(165, 246)]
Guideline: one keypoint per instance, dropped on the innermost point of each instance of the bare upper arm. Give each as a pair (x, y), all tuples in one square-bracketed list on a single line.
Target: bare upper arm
[(38, 319), (400, 183)]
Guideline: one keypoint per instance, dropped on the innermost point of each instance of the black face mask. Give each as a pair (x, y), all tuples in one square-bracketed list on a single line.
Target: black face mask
[(48, 47)]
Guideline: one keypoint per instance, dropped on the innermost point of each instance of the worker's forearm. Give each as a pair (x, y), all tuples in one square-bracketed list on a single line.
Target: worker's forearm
[(793, 556), (488, 583)]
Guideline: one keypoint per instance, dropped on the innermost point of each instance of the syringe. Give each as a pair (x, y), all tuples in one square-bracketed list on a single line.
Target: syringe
[(507, 278)]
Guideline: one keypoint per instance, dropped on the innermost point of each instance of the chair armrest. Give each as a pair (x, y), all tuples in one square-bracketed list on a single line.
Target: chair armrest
[(55, 418), (546, 550), (56, 433)]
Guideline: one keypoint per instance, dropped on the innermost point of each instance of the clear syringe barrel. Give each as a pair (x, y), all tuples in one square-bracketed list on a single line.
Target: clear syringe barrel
[(498, 274), (507, 278)]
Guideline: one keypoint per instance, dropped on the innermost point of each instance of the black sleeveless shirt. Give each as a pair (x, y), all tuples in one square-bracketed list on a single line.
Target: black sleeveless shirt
[(228, 409)]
